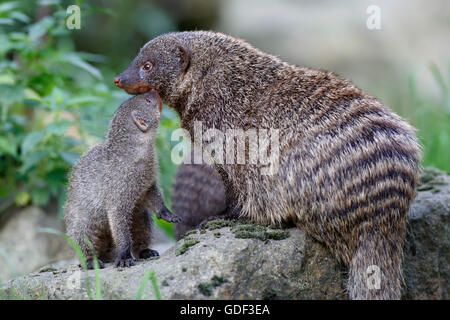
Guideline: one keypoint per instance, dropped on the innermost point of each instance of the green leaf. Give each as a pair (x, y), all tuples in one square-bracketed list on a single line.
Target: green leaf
[(148, 275), (55, 179), (8, 6), (69, 157), (49, 2), (83, 100), (58, 128), (31, 140), (40, 28), (17, 15), (72, 142), (32, 95), (8, 146), (75, 60), (11, 93), (77, 250), (6, 21), (32, 159), (22, 198), (40, 196), (98, 292), (56, 99)]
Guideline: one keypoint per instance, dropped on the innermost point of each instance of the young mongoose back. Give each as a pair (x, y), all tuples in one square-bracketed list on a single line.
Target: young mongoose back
[(348, 167), (114, 183), (198, 193)]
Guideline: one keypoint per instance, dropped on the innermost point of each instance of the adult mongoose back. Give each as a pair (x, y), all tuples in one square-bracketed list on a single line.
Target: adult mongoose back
[(198, 193), (347, 169), (114, 183)]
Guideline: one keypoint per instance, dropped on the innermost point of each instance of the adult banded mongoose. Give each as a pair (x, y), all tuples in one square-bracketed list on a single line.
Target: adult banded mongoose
[(197, 194), (114, 183), (348, 167)]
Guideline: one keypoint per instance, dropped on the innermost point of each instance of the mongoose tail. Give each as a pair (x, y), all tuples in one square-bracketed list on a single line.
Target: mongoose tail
[(197, 194), (376, 267)]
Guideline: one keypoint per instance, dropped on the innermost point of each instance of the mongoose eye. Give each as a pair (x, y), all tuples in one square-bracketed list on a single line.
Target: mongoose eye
[(147, 66)]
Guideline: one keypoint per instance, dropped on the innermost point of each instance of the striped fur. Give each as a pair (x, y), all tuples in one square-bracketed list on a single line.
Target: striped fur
[(197, 194), (348, 166)]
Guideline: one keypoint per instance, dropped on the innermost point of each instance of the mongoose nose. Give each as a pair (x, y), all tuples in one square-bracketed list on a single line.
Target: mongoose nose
[(117, 82)]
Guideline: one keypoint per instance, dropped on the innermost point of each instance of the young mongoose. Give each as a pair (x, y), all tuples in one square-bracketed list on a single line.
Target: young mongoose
[(348, 167), (114, 183), (198, 193)]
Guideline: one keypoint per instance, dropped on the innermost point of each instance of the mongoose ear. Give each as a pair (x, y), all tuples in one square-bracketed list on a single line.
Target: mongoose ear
[(185, 57), (141, 122)]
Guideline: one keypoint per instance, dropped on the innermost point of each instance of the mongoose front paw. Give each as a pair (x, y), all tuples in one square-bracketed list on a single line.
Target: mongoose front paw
[(148, 253), (90, 264), (124, 259), (128, 262), (168, 216), (175, 219)]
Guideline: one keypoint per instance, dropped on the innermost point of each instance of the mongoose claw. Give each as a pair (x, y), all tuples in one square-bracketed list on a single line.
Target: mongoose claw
[(175, 219), (124, 259), (148, 253), (90, 264), (168, 216), (122, 263)]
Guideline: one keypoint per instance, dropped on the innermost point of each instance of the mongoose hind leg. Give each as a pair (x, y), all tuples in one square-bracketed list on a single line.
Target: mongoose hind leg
[(96, 237), (120, 220), (141, 234), (91, 265), (148, 253)]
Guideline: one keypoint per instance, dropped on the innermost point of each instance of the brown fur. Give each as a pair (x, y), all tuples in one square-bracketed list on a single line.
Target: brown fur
[(348, 166), (197, 194), (113, 184)]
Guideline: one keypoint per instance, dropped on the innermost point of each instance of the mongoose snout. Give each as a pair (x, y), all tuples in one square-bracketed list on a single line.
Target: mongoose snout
[(130, 83)]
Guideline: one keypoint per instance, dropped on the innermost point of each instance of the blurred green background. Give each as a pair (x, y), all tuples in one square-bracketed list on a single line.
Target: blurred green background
[(57, 95)]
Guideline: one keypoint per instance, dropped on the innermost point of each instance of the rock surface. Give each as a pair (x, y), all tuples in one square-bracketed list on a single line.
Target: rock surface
[(24, 248), (237, 260)]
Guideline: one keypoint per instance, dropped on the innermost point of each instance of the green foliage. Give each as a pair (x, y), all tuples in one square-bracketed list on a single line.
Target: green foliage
[(431, 117), (148, 275), (98, 291), (82, 260), (55, 103), (45, 87)]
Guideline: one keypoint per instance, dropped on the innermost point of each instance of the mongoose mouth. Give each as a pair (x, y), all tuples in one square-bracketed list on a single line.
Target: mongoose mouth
[(139, 87)]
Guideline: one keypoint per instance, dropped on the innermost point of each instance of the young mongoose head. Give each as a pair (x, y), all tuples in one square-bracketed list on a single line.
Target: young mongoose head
[(136, 119), (159, 64)]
